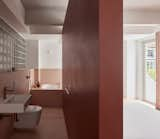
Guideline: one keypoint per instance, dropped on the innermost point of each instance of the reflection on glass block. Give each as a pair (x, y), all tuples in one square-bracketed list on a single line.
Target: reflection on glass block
[(1, 49), (1, 58), (1, 66), (12, 46)]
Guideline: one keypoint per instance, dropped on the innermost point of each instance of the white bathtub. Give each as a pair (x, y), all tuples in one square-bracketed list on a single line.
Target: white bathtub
[(49, 86)]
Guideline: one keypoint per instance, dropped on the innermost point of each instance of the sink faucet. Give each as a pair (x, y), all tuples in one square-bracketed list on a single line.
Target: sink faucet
[(7, 89)]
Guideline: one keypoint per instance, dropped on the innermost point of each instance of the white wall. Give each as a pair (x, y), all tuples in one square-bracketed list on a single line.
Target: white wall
[(131, 69), (32, 54), (140, 70), (50, 53), (125, 68), (133, 73), (141, 17)]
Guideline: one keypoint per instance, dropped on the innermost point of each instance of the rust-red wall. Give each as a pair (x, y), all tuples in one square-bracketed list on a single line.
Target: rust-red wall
[(93, 69), (111, 69), (81, 69)]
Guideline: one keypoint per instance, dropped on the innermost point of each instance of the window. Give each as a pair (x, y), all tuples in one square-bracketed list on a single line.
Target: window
[(150, 72)]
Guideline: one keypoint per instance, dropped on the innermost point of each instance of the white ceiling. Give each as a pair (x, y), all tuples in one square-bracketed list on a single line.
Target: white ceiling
[(141, 18), (45, 16), (140, 28), (41, 36), (139, 37), (53, 14), (142, 4), (140, 31), (30, 4)]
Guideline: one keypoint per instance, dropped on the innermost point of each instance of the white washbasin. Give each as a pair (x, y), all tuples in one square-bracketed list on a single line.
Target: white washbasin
[(14, 103)]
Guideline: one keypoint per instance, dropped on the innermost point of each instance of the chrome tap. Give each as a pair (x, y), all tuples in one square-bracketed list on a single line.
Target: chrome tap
[(5, 90), (8, 89)]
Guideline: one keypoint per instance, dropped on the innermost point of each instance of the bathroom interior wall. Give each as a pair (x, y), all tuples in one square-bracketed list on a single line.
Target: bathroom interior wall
[(124, 68), (21, 86), (21, 83), (47, 76), (45, 60), (50, 53), (51, 76), (140, 70), (133, 69), (32, 54), (49, 66), (81, 69), (50, 61)]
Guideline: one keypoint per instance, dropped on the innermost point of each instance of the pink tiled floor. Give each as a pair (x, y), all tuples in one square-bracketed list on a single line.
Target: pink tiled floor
[(52, 126)]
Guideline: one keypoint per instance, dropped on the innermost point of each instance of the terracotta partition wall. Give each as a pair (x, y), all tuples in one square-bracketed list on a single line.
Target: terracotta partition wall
[(81, 69), (93, 69), (111, 69)]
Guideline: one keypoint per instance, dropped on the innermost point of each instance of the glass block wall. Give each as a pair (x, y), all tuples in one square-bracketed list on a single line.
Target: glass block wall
[(12, 49)]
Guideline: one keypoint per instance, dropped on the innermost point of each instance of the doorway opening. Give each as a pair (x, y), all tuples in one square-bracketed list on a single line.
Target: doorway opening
[(141, 70)]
